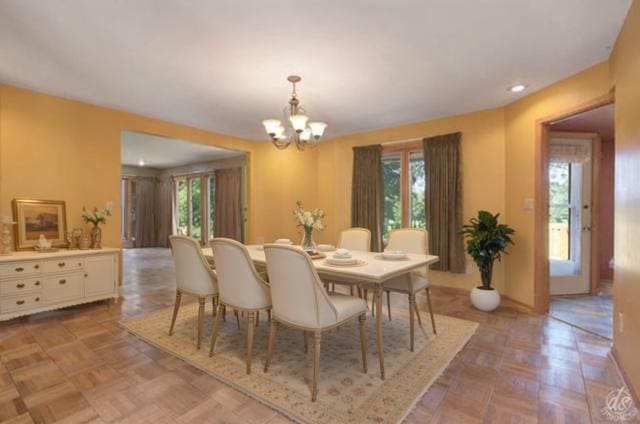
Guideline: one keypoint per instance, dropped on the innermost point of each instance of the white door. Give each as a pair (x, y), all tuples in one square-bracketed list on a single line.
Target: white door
[(570, 171), (100, 274)]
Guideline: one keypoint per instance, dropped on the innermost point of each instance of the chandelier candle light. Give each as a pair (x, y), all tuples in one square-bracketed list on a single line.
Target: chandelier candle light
[(300, 130)]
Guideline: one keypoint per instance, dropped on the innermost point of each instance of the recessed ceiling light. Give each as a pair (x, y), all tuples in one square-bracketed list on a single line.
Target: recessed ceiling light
[(517, 88), (141, 162)]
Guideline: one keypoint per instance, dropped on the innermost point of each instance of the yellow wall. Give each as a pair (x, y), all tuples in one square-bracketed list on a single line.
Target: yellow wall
[(59, 149), (520, 127), (483, 175), (625, 67)]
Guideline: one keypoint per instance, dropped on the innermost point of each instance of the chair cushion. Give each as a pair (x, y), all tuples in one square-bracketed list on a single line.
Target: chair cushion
[(347, 306), (402, 283)]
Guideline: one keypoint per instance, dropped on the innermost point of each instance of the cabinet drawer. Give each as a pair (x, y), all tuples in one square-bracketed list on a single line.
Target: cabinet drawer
[(63, 287), (27, 301), (17, 269), (63, 264), (17, 287)]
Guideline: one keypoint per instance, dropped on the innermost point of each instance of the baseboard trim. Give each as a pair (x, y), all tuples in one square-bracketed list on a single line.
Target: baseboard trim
[(524, 306), (615, 357)]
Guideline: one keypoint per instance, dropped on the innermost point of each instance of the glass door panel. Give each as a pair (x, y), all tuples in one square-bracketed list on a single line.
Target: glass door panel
[(183, 207), (196, 212), (417, 186)]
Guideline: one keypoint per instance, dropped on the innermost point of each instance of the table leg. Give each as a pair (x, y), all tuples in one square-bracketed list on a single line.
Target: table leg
[(377, 296)]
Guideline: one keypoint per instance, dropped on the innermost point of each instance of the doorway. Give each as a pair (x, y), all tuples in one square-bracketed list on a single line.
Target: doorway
[(580, 219)]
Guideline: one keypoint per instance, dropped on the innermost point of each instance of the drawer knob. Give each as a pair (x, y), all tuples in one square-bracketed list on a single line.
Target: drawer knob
[(20, 286), (19, 302), (37, 283), (19, 269), (61, 264), (36, 266), (62, 282), (79, 263), (37, 299)]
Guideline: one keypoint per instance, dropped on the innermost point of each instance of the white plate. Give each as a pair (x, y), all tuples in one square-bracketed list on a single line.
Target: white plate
[(260, 247), (332, 260), (392, 257), (357, 262)]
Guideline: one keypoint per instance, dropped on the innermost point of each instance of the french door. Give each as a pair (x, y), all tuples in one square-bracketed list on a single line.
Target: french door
[(570, 182)]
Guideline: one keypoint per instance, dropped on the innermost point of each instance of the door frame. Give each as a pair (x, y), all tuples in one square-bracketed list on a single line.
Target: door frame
[(596, 154), (541, 201)]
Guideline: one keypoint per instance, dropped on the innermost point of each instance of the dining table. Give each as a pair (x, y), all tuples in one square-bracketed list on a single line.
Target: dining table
[(372, 269)]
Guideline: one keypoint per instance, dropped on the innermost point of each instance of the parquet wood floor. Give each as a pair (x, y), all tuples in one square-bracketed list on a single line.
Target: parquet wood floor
[(78, 365)]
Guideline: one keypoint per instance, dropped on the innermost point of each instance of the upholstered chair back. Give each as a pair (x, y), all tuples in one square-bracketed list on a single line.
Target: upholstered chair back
[(410, 240), (355, 239), (297, 293), (193, 273), (239, 283)]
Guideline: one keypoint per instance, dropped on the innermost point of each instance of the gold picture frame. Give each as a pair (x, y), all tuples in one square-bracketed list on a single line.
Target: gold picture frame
[(35, 217)]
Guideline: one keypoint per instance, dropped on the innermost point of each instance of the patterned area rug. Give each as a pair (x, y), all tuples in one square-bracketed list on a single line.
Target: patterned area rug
[(346, 394)]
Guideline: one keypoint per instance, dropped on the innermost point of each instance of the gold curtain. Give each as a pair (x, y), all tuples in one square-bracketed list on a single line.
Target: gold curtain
[(443, 198), (367, 201), (227, 221)]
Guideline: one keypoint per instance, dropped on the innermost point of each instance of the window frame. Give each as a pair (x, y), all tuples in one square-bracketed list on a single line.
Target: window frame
[(405, 150), (206, 180)]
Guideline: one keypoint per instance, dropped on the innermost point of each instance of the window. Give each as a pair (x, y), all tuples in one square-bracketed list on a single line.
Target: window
[(128, 211), (404, 188), (195, 200), (212, 203)]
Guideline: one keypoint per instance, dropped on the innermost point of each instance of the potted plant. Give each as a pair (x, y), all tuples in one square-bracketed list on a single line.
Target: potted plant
[(487, 240)]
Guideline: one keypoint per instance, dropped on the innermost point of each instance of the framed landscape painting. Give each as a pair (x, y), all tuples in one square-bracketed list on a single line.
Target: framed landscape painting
[(35, 217)]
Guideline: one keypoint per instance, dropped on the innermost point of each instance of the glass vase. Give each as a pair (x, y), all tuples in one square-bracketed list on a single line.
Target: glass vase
[(96, 237), (308, 245)]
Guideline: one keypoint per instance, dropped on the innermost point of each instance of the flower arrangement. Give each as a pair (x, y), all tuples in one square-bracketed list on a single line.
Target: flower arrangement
[(96, 216), (309, 221)]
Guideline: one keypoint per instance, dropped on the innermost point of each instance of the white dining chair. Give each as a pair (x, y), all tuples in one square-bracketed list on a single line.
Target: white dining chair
[(300, 301), (194, 276), (240, 286), (358, 239), (410, 240)]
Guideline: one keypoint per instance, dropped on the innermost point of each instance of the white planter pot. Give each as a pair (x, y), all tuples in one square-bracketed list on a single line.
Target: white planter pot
[(485, 300)]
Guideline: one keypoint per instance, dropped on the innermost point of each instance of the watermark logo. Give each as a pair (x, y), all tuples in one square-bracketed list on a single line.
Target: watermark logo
[(619, 406)]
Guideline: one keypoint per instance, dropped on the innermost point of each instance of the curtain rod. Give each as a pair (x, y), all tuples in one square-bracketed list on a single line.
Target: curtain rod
[(406, 140)]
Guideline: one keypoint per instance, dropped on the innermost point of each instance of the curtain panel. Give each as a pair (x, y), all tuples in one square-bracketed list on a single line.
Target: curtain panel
[(367, 202), (146, 227), (443, 198), (164, 218), (227, 221)]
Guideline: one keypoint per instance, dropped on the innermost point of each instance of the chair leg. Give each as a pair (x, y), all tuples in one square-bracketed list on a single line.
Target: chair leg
[(350, 290), (257, 318), (363, 341), (224, 312), (412, 307), (235, 311), (250, 340), (433, 322), (214, 302), (306, 341), (271, 343), (316, 365), (175, 311), (389, 303), (269, 315), (201, 301), (418, 316), (216, 327)]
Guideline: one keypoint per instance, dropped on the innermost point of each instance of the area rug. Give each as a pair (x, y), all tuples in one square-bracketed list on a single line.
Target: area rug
[(346, 394)]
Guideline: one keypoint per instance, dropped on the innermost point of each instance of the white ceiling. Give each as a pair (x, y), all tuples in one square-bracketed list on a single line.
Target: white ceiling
[(161, 152), (366, 64)]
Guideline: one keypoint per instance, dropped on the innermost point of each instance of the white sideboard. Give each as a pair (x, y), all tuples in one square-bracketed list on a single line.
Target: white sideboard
[(33, 282)]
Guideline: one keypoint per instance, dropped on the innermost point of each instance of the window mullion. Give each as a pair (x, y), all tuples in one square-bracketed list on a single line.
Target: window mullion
[(405, 203)]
